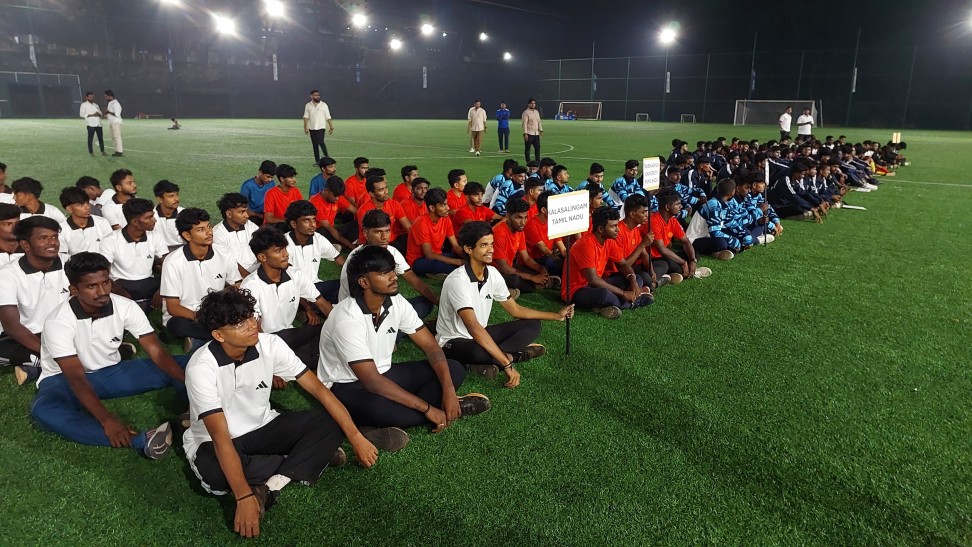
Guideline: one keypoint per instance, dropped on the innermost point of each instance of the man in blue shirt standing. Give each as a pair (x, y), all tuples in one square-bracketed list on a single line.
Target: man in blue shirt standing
[(503, 128), (256, 189)]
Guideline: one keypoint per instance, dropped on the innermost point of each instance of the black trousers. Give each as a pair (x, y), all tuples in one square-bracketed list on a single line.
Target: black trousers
[(503, 134), (92, 131), (140, 289), (317, 140), (511, 337), (297, 445), (514, 281), (15, 352), (348, 230), (180, 327), (400, 243), (305, 341), (534, 141), (664, 266), (415, 377), (784, 134)]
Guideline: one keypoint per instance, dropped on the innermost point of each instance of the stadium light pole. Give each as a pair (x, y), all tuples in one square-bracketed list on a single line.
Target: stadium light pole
[(666, 37)]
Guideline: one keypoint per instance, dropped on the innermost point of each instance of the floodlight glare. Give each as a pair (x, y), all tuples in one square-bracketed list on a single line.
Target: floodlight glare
[(275, 8), (359, 20), (170, 2), (395, 44), (224, 25), (427, 29), (507, 56), (667, 36), (483, 37), (444, 34)]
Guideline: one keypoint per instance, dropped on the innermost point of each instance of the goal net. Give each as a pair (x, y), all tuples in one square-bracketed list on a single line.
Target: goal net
[(642, 117), (579, 110), (687, 118), (768, 112)]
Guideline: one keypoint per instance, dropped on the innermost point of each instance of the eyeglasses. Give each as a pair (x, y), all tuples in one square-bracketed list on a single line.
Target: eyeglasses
[(249, 322)]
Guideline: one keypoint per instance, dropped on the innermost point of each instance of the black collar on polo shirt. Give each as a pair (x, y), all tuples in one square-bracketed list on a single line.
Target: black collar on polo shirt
[(158, 210), (284, 277), (39, 211), (28, 268), (472, 275), (73, 226), (293, 238), (129, 239), (222, 359), (190, 257), (230, 229), (106, 310), (376, 319), (114, 197)]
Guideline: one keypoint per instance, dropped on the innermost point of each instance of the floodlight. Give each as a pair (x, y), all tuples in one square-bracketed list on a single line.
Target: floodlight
[(667, 36), (359, 20), (427, 29), (483, 37), (224, 25), (444, 34), (170, 2), (507, 56), (395, 44), (275, 8)]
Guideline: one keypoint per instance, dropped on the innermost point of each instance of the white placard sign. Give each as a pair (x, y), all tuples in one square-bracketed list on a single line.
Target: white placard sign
[(568, 214), (766, 172), (651, 176)]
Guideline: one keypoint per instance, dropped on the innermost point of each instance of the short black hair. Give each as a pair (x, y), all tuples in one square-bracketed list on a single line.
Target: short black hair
[(268, 167), (517, 205), (72, 195), (3, 167), (229, 306), (596, 168), (725, 187), (231, 200), (313, 91), (325, 161), (454, 176), (532, 183), (435, 196), (25, 228), (335, 185), (594, 190), (164, 187), (86, 181), (473, 188), (109, 92), (118, 176), (300, 208), (374, 219), (136, 207), (421, 180), (84, 263), (370, 259), (27, 185), (519, 170), (359, 161), (408, 169), (631, 164), (266, 237), (188, 218), (558, 169), (635, 201), (285, 171), (509, 163), (471, 232), (542, 199), (373, 178), (9, 211), (667, 197), (547, 162), (601, 216)]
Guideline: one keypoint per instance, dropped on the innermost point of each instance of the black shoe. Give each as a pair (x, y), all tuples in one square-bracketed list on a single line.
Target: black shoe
[(386, 439), (531, 352), (117, 155), (126, 350), (474, 403), (26, 373), (486, 371), (265, 497), (103, 153), (338, 459)]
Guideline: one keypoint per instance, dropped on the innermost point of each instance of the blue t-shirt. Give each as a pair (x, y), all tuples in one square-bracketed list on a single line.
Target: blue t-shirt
[(316, 185), (503, 118), (254, 193)]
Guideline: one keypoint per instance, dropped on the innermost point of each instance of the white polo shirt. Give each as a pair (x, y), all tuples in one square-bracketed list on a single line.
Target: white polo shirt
[(114, 112), (112, 211), (86, 110), (401, 266), (166, 227), (316, 115), (352, 335), (69, 330), (97, 205), (7, 258), (477, 119), (189, 279), (35, 293), (45, 210), (240, 390), (805, 129), (277, 303), (235, 243), (308, 257), (75, 239), (132, 260), (462, 290), (7, 197)]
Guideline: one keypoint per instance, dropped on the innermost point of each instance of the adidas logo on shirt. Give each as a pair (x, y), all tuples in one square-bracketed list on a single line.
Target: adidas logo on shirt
[(262, 385), (391, 330), (115, 339), (489, 297), (293, 299), (64, 290), (219, 276)]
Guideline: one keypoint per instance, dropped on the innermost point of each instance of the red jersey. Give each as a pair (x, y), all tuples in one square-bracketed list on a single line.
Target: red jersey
[(354, 187), (326, 211), (455, 201), (507, 243), (276, 201), (586, 253), (425, 231), (664, 231), (402, 193), (414, 209), (470, 213), (392, 208), (626, 242), (536, 232), (533, 211)]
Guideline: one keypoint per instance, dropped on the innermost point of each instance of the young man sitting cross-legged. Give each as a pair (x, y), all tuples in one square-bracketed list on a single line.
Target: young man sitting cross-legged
[(548, 253), (27, 192), (665, 227), (521, 272), (307, 247), (82, 231), (231, 237), (377, 232), (30, 288), (279, 290), (134, 252), (464, 307), (592, 285), (725, 238), (427, 239), (236, 441), (356, 355), (81, 364)]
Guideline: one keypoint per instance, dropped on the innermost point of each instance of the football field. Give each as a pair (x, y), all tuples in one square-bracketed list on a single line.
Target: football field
[(813, 391)]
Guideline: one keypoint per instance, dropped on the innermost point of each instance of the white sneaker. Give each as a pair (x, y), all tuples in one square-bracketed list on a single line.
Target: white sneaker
[(702, 272), (471, 150), (768, 238), (862, 190), (477, 152), (838, 205)]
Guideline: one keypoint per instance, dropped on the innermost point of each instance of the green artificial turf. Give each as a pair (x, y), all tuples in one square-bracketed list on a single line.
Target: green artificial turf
[(816, 391)]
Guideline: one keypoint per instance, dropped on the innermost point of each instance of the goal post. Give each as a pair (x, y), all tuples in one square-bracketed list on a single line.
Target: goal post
[(768, 112), (686, 118), (581, 110), (642, 117)]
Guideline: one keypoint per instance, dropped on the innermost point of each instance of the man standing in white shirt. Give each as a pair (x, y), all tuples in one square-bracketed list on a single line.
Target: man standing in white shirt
[(786, 119), (476, 126), (91, 114), (532, 130), (114, 121), (804, 125), (316, 116)]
